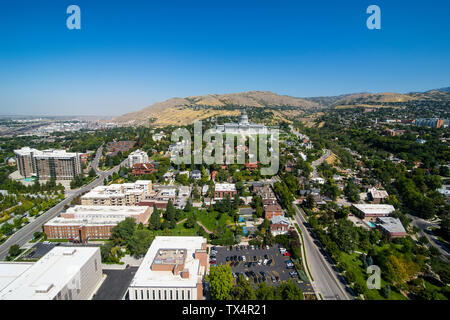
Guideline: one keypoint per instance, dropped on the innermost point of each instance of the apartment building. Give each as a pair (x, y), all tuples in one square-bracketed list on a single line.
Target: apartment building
[(48, 164), (172, 269), (221, 190), (127, 194), (136, 157), (64, 273)]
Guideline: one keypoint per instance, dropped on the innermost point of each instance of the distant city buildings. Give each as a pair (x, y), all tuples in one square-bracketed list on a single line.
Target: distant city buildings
[(172, 269), (432, 122), (64, 273), (48, 164)]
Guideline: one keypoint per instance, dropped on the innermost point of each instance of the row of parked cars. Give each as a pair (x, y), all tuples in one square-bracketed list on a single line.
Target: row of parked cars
[(256, 277), (249, 247), (235, 260)]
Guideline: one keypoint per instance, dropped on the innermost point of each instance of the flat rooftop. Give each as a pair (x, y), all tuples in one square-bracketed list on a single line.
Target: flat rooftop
[(375, 208), (391, 224), (106, 210), (146, 277), (46, 277), (225, 187), (9, 271)]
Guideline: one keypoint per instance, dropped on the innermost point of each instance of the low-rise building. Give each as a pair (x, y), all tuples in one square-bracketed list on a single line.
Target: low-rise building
[(273, 210), (172, 269), (279, 225), (377, 195), (221, 190), (64, 273), (81, 223), (391, 227), (142, 168), (372, 211)]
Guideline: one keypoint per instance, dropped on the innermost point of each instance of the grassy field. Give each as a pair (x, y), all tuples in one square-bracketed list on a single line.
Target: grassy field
[(209, 219), (354, 264)]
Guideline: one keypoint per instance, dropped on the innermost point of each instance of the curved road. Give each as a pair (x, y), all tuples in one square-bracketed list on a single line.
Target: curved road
[(25, 234)]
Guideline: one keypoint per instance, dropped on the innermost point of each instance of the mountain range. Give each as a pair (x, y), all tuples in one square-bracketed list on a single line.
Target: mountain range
[(186, 110)]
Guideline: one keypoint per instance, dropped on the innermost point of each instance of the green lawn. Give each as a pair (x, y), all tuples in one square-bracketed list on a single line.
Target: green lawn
[(354, 265), (209, 219)]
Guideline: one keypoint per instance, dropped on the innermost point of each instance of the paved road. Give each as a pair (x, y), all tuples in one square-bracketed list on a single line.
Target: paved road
[(25, 234), (318, 162), (326, 279), (423, 225)]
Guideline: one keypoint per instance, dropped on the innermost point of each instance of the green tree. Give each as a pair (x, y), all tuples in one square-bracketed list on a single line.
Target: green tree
[(155, 219), (140, 242), (14, 251), (122, 233), (244, 290), (220, 282)]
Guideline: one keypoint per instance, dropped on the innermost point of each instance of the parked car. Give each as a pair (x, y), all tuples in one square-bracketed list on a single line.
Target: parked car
[(236, 264), (267, 247), (254, 258), (273, 279), (269, 262), (259, 262), (212, 261), (266, 256), (227, 258), (232, 263), (265, 262), (240, 258), (243, 258), (245, 265), (287, 254)]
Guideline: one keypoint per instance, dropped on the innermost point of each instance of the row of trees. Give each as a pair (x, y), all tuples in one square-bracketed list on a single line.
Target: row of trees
[(221, 287)]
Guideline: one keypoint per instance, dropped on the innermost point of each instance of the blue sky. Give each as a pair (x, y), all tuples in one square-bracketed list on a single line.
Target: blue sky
[(130, 54)]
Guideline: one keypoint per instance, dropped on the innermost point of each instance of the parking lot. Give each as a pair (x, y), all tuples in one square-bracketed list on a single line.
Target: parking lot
[(273, 273)]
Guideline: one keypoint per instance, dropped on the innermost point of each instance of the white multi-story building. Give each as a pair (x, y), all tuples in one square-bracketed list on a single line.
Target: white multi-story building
[(172, 269), (243, 127), (65, 273), (136, 157)]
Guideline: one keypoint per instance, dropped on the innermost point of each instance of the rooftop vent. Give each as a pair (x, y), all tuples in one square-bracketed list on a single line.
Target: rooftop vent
[(69, 252), (44, 288)]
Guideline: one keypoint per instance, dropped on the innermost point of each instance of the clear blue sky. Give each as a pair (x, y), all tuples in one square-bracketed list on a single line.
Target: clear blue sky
[(130, 54)]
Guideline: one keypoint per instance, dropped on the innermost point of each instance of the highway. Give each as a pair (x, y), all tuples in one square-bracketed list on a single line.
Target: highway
[(326, 280), (25, 234)]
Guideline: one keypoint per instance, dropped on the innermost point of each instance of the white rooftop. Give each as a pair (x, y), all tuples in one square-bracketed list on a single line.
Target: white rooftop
[(225, 187), (106, 210), (46, 277), (9, 271), (145, 277), (375, 208)]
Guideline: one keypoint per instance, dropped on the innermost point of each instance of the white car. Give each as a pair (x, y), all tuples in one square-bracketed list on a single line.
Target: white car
[(267, 247), (259, 262), (265, 261), (243, 258)]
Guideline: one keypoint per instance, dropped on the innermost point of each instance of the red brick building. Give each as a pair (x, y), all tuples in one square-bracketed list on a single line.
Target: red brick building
[(272, 210), (142, 168)]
